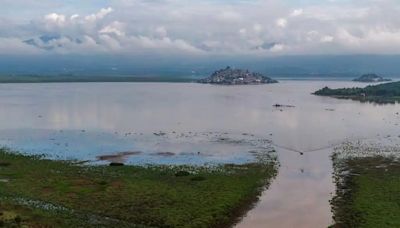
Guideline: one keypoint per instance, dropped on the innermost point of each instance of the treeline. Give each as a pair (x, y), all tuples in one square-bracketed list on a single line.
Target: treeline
[(387, 90)]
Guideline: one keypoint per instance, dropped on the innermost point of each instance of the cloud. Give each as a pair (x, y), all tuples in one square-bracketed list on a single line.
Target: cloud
[(115, 28), (259, 27), (99, 15), (73, 17), (327, 39), (277, 48), (14, 46), (161, 31), (296, 12), (55, 18), (281, 22), (229, 16)]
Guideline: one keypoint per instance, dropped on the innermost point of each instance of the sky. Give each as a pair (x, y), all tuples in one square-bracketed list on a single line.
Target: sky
[(233, 28)]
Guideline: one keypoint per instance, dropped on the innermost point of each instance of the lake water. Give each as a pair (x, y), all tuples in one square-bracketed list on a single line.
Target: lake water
[(184, 123)]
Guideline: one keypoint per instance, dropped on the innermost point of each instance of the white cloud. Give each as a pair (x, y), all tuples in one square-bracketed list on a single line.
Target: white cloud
[(296, 12), (115, 28), (243, 31), (99, 15), (229, 16), (73, 17), (257, 28), (140, 43), (161, 31), (110, 42), (281, 22), (213, 27), (327, 39), (55, 19), (277, 48)]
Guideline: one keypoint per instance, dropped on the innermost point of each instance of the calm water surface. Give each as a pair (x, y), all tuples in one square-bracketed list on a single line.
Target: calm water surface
[(184, 123)]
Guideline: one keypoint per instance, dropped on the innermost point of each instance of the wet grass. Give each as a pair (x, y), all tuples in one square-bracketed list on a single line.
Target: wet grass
[(368, 192), (38, 192)]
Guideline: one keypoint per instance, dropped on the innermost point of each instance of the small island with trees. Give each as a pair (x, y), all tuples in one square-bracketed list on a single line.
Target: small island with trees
[(230, 76), (371, 78), (382, 93)]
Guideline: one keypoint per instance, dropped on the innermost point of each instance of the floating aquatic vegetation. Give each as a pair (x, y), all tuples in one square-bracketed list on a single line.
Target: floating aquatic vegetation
[(369, 147), (367, 183)]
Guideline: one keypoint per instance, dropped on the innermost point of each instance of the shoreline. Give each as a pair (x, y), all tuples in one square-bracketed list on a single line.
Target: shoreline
[(151, 79)]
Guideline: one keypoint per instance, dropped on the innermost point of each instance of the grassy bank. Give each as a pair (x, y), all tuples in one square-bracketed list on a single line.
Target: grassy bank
[(40, 192), (368, 192), (381, 94)]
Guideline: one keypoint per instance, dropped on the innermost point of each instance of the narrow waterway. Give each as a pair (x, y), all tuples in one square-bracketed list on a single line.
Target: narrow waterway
[(299, 196)]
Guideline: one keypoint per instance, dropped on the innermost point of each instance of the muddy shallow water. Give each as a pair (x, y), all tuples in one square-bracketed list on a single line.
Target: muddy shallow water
[(174, 123)]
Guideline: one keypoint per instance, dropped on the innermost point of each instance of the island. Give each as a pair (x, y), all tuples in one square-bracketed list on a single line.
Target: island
[(371, 78), (230, 76), (382, 93)]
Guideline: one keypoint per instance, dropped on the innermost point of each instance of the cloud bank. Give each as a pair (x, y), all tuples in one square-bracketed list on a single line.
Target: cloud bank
[(210, 27)]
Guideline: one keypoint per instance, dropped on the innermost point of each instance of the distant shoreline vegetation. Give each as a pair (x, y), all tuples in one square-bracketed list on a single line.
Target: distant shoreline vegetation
[(381, 94), (75, 78), (71, 78), (189, 76)]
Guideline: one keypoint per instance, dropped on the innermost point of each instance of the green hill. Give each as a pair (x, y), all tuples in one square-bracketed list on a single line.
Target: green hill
[(382, 93)]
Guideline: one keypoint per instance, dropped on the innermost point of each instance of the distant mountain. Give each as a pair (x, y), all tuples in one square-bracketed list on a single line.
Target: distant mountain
[(170, 67), (229, 76), (371, 78)]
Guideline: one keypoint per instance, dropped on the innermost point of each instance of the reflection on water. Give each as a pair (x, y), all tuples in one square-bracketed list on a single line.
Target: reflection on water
[(137, 148), (196, 123), (299, 196)]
